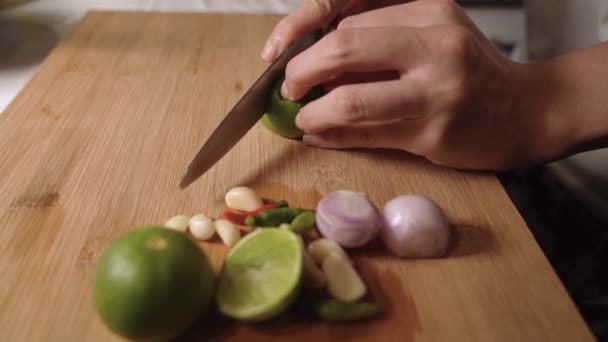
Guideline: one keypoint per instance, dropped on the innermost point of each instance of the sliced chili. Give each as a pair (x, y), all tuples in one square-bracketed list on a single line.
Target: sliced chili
[(238, 217), (235, 217)]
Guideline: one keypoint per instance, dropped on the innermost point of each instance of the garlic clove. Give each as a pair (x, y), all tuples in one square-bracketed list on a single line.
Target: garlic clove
[(313, 277), (201, 227), (321, 248), (243, 198), (178, 223), (343, 282), (229, 234)]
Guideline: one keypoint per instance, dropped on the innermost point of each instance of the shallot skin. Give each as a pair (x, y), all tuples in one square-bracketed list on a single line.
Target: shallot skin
[(415, 227)]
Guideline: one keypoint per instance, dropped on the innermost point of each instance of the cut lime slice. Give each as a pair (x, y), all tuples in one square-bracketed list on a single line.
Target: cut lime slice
[(261, 275)]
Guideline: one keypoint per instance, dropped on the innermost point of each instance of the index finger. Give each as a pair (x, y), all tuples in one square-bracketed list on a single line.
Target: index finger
[(311, 15)]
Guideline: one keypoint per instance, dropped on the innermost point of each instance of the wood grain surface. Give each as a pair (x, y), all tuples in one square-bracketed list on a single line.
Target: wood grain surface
[(96, 144)]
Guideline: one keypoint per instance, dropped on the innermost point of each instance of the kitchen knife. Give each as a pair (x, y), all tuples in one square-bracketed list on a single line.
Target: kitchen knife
[(245, 114)]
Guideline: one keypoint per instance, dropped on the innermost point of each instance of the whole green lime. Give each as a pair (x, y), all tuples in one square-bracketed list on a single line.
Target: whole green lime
[(281, 113), (153, 283)]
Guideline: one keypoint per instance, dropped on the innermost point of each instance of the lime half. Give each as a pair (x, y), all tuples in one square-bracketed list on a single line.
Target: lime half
[(261, 275)]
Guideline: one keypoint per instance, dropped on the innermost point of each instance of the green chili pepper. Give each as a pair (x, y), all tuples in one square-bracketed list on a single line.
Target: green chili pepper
[(303, 222), (273, 217), (333, 310), (283, 204)]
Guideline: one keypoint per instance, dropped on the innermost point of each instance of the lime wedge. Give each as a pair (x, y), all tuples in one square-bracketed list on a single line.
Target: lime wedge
[(261, 275)]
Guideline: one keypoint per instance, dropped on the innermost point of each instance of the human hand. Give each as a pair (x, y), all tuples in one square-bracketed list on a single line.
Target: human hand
[(454, 99), (311, 15)]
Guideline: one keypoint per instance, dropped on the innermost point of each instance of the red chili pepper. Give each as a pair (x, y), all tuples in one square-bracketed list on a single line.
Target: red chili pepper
[(235, 217), (262, 208), (238, 217)]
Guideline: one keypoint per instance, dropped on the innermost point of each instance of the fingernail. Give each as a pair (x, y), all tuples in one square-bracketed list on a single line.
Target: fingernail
[(270, 51), (299, 119), (312, 140), (284, 90)]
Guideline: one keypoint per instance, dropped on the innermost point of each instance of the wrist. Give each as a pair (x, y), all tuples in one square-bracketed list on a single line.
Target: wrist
[(568, 95), (551, 101)]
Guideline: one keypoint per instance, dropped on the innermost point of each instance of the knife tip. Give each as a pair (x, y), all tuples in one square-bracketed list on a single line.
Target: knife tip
[(186, 180)]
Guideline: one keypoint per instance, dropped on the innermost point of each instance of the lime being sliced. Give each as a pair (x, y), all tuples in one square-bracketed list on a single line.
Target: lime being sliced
[(261, 275), (281, 113)]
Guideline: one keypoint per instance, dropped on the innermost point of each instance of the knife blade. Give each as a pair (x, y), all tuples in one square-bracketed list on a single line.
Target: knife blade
[(245, 114)]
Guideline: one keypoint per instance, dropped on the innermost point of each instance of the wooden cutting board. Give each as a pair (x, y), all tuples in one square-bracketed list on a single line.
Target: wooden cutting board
[(98, 140)]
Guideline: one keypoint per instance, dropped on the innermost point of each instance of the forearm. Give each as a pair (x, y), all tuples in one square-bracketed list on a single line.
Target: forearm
[(569, 94)]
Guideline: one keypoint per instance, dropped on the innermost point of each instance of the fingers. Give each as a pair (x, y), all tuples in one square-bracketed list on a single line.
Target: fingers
[(311, 14), (360, 77), (414, 14), (421, 13), (354, 105), (384, 136), (350, 51)]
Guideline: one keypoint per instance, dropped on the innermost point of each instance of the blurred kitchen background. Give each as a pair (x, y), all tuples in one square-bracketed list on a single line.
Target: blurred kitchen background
[(30, 28), (564, 203)]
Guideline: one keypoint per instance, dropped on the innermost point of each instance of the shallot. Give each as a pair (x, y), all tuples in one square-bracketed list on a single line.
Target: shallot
[(348, 218), (415, 226)]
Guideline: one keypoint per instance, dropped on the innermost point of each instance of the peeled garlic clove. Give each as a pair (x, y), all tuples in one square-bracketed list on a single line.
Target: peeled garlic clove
[(343, 282), (201, 227), (313, 277), (243, 198), (229, 234), (179, 223), (321, 248)]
